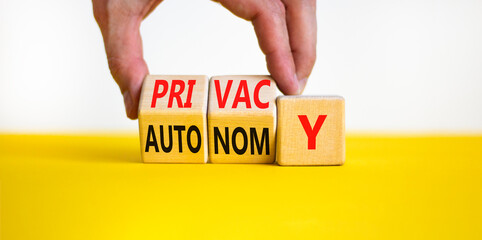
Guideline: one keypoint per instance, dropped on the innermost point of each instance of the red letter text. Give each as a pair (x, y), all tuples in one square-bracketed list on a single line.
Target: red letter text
[(312, 132), (156, 95)]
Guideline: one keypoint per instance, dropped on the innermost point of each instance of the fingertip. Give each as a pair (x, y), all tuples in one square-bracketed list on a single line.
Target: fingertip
[(130, 106), (129, 75), (288, 86), (281, 66)]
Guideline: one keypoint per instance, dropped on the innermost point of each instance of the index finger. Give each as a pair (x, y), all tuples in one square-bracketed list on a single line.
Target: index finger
[(301, 22), (271, 29)]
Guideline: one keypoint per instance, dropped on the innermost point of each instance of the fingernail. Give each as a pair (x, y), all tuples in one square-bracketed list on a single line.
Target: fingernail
[(127, 102), (302, 84)]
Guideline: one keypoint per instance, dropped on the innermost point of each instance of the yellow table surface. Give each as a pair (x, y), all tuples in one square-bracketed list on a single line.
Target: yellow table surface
[(95, 187)]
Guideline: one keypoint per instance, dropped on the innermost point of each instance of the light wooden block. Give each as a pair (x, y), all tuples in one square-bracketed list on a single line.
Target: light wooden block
[(320, 117), (241, 119), (177, 104)]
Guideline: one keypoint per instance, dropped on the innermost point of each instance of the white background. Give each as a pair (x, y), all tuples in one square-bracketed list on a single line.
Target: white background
[(402, 66)]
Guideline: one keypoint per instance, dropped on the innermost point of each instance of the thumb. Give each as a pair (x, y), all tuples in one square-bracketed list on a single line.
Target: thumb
[(123, 46), (129, 74)]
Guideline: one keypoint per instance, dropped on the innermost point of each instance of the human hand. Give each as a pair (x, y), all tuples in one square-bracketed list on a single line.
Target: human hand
[(286, 31)]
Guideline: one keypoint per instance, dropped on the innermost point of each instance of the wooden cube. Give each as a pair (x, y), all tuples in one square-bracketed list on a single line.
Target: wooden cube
[(311, 130), (241, 119), (172, 119)]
